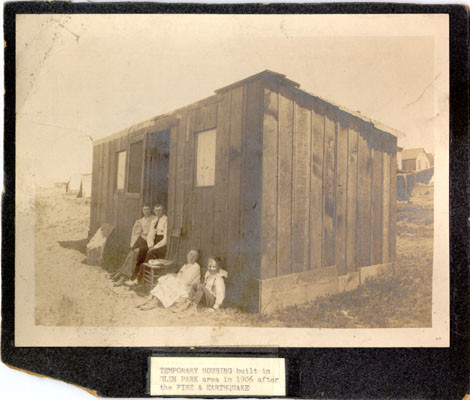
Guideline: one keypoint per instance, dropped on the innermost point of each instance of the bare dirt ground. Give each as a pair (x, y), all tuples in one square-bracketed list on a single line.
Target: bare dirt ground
[(71, 293)]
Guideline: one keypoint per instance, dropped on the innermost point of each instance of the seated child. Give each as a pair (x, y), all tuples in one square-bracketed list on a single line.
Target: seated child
[(211, 292), (172, 288)]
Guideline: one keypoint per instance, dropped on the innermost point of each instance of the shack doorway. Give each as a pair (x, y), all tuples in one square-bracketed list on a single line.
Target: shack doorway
[(157, 167)]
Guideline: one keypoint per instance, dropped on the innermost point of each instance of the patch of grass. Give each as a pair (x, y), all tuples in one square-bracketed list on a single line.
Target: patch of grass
[(402, 300)]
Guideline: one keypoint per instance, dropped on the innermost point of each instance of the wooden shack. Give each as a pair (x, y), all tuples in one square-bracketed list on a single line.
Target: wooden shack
[(296, 194)]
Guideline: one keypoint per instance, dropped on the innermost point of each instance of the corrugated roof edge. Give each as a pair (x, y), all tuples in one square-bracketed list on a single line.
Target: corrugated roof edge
[(266, 74)]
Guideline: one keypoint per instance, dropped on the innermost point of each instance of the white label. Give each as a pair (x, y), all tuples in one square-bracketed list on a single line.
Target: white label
[(171, 376)]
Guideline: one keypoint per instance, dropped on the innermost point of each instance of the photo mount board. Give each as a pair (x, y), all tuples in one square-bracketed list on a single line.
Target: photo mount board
[(311, 372)]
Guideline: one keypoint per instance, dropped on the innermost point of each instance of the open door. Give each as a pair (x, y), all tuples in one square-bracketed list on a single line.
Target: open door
[(156, 168)]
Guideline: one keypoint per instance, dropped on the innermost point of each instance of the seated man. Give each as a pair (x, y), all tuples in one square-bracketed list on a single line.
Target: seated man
[(211, 293), (138, 246), (172, 288)]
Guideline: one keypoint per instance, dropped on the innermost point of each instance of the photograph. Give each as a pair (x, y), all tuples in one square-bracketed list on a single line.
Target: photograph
[(232, 180)]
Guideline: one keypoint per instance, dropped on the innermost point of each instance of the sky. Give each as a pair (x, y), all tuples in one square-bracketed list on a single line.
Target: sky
[(84, 77)]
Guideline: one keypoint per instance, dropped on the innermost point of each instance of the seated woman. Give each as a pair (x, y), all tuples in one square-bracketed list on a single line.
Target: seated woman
[(138, 246), (172, 288), (155, 245), (211, 292)]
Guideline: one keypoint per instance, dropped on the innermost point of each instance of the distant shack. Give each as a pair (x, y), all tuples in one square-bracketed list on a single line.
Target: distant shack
[(85, 186), (415, 166), (298, 195), (60, 187), (79, 185), (415, 160), (73, 185)]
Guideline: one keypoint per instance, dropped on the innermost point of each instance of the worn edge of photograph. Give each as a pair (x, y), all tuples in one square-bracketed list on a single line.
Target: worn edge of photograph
[(464, 154), (345, 273)]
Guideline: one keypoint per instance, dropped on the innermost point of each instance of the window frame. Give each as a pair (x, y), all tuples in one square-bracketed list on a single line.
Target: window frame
[(116, 176), (196, 141)]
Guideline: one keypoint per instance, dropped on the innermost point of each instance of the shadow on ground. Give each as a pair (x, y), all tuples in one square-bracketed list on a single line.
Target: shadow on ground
[(79, 245)]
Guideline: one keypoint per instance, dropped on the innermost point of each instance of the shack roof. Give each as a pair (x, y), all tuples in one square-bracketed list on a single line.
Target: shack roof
[(411, 154), (265, 75)]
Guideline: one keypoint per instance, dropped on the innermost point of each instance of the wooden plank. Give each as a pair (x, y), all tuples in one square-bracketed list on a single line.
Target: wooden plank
[(341, 187), (210, 116), (146, 186), (301, 189), (386, 209), (351, 193), (125, 144), (303, 278), (131, 212), (117, 143), (208, 196), (172, 177), (348, 282), (186, 230), (121, 233), (104, 172), (298, 288), (329, 216), (196, 198), (393, 205), (179, 181), (221, 175), (251, 183), (95, 180), (316, 189), (364, 202), (374, 271), (199, 119), (110, 183), (376, 207), (234, 180), (143, 138), (197, 225), (207, 222), (284, 172), (269, 185)]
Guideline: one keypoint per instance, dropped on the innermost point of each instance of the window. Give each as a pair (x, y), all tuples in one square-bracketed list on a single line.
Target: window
[(135, 167), (121, 169), (205, 158)]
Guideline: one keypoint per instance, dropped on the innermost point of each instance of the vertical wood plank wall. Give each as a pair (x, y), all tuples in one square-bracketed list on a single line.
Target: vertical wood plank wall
[(108, 204), (328, 187), (224, 219), (299, 185), (252, 150), (269, 185)]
